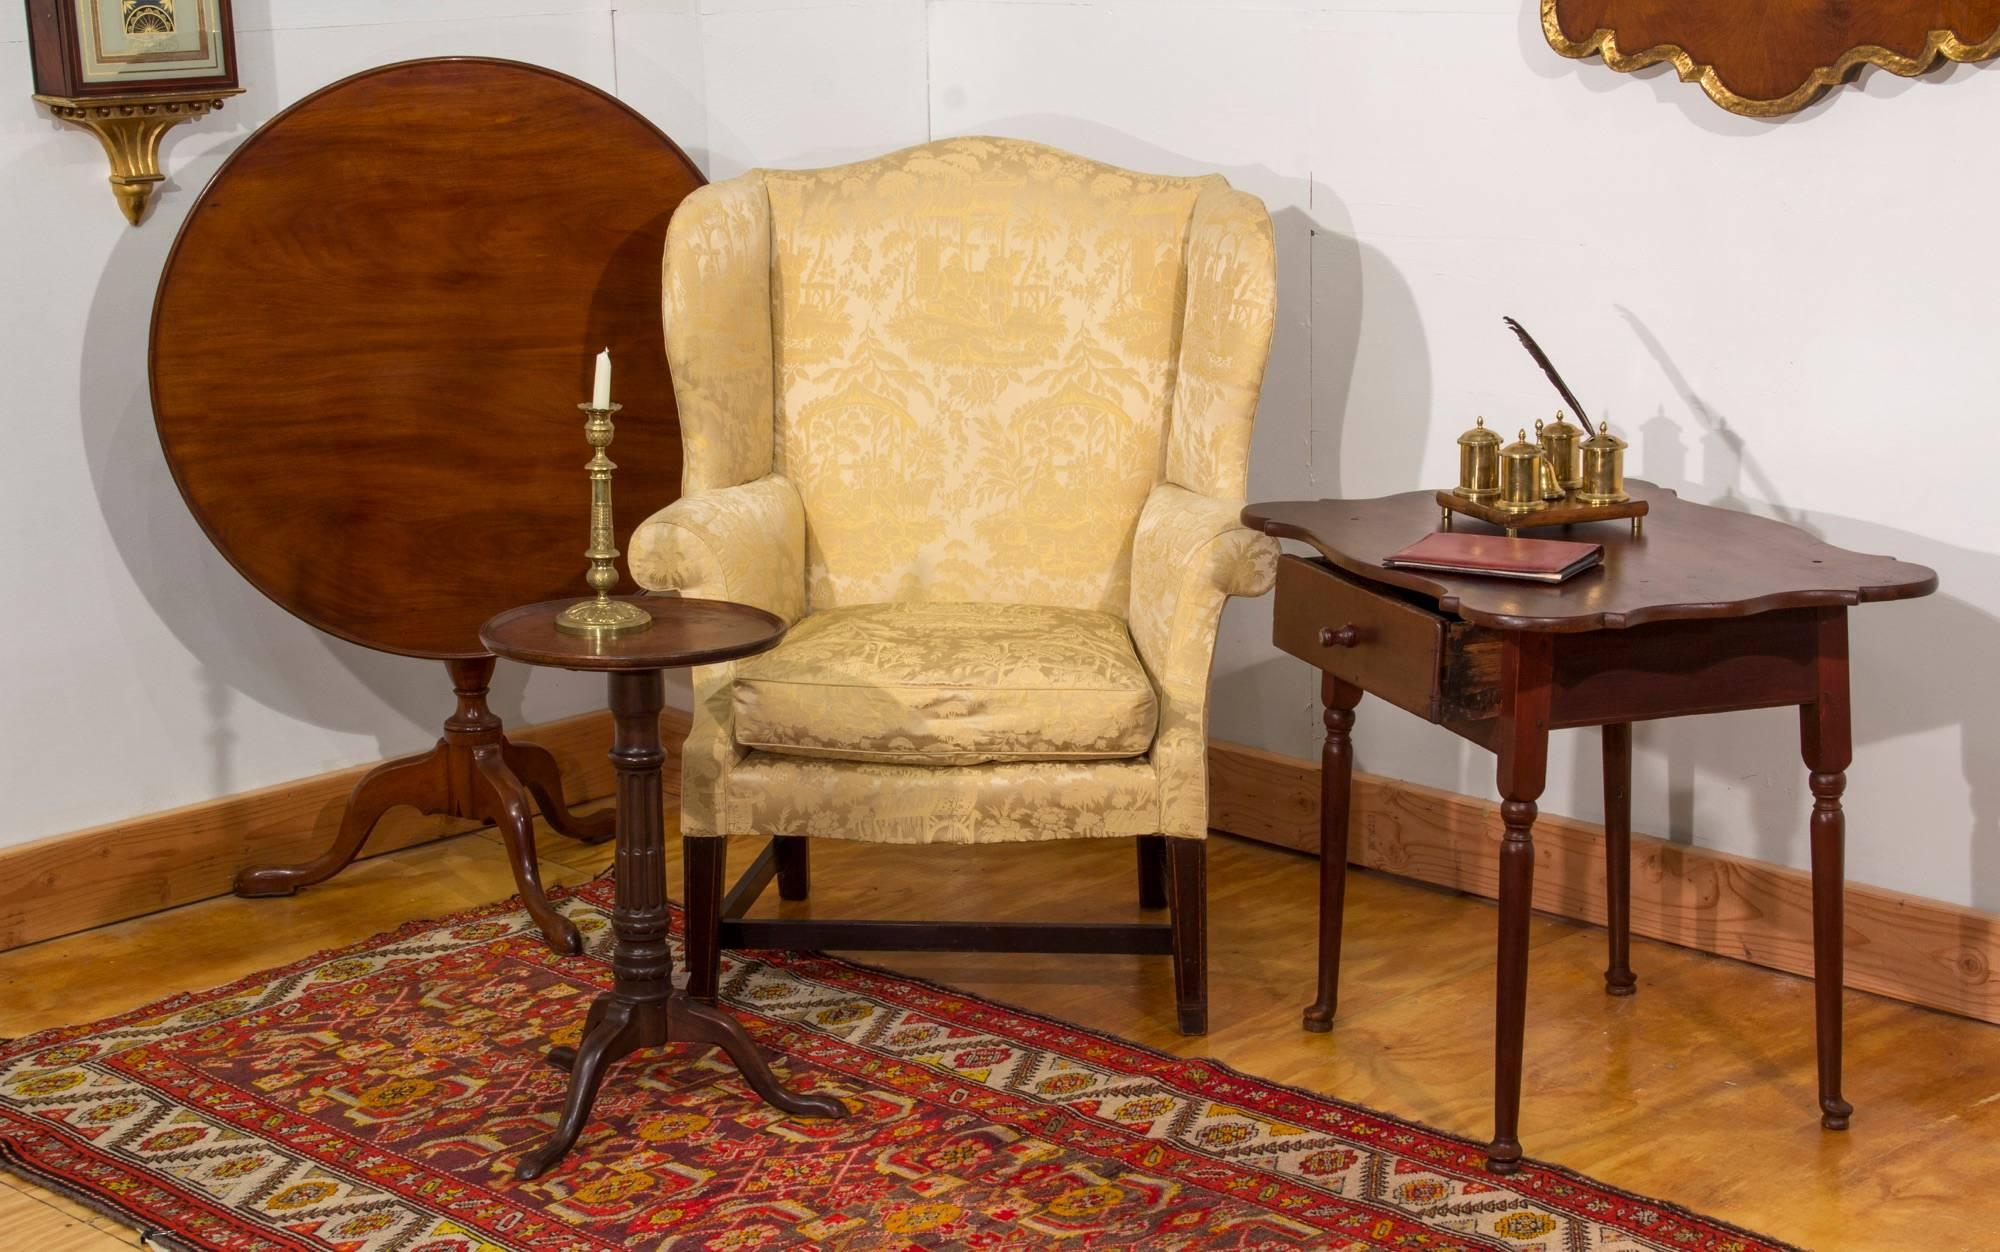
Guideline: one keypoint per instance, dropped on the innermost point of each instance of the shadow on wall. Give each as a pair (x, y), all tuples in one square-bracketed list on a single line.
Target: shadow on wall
[(1900, 688), (724, 154), (242, 644), (1327, 280)]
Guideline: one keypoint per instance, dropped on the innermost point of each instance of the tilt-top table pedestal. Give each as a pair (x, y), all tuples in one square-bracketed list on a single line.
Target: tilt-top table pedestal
[(1709, 610), (473, 772), (643, 1009)]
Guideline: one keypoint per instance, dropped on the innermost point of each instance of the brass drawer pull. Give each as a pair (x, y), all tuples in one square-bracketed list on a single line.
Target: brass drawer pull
[(1345, 637)]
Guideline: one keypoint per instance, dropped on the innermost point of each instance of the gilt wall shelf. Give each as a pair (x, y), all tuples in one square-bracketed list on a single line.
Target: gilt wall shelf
[(130, 128)]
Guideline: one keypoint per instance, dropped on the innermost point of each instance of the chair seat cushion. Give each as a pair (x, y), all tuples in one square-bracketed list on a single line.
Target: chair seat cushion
[(949, 684)]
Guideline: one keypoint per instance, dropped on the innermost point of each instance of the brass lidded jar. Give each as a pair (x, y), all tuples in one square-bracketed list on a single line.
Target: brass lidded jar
[(1521, 476), (1479, 463), (1552, 488), (1603, 468), (1561, 440)]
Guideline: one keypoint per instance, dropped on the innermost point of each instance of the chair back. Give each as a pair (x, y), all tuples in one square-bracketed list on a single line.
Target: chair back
[(974, 350)]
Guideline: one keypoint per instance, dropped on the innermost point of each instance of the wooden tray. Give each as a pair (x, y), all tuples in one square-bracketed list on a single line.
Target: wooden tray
[(1556, 513)]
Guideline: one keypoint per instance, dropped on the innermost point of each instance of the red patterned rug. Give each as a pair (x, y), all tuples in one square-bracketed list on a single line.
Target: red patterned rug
[(376, 1100)]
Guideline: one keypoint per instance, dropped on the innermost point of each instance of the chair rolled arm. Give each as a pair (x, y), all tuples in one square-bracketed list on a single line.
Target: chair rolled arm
[(744, 543), (1190, 554)]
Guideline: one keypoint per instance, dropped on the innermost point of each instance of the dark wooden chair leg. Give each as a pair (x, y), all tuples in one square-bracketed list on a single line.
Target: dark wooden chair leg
[(1336, 777), (1152, 871), (702, 860), (536, 767), (1523, 747), (794, 853), (1618, 977), (1827, 742), (503, 800), (1187, 889)]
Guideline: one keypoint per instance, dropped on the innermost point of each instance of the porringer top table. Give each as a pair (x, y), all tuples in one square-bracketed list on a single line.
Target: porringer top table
[(1708, 611), (643, 1009)]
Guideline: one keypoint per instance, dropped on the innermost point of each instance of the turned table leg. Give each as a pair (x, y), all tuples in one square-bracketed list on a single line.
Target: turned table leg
[(1827, 741), (642, 1009), (1336, 778), (1523, 749), (1618, 978)]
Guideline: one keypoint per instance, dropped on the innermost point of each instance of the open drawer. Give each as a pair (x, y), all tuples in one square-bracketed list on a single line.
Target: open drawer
[(1389, 642)]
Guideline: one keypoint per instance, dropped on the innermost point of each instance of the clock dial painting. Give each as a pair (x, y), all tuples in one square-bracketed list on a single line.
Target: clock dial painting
[(158, 41), (127, 47)]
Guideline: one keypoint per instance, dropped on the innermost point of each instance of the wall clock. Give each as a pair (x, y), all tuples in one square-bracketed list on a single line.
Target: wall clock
[(128, 70), (1771, 57)]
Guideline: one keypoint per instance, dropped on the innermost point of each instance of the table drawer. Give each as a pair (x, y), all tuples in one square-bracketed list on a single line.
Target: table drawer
[(1364, 634)]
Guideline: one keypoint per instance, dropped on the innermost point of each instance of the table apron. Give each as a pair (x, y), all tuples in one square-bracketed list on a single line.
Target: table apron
[(1450, 672), (1682, 668)]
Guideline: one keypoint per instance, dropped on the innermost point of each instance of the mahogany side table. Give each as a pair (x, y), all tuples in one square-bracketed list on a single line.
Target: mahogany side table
[(643, 1009), (1708, 611)]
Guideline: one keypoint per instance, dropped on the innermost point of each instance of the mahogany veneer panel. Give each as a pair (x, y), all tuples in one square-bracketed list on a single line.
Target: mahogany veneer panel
[(372, 334)]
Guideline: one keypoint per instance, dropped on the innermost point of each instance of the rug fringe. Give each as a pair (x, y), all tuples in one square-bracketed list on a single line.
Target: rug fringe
[(149, 1236)]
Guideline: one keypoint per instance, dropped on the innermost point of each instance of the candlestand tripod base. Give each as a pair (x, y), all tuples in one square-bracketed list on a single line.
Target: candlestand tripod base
[(619, 1025), (602, 617)]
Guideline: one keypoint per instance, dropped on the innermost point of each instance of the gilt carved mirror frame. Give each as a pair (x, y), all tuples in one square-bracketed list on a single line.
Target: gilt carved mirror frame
[(1776, 57)]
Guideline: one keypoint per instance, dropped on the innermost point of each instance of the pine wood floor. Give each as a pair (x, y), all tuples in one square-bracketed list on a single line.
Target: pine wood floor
[(1698, 1090)]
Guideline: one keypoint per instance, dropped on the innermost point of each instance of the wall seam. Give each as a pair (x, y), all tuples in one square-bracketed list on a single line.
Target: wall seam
[(613, 11)]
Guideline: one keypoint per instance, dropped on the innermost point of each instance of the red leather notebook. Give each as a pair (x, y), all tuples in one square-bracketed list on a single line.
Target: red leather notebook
[(1537, 560)]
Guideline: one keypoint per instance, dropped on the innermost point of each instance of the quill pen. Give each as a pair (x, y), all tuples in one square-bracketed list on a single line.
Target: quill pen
[(1548, 367)]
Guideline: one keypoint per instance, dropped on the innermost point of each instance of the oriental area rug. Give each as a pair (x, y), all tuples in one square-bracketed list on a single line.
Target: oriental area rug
[(376, 1100)]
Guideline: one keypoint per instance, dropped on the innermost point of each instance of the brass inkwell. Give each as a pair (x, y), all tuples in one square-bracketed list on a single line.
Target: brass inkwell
[(1562, 476)]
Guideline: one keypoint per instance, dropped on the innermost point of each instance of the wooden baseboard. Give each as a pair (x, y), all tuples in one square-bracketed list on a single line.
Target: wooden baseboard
[(1938, 955), (1909, 948), (125, 869)]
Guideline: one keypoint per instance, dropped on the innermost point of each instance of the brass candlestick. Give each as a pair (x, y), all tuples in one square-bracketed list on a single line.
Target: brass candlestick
[(603, 615)]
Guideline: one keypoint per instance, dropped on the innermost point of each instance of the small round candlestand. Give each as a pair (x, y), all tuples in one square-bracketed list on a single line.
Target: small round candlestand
[(643, 1009)]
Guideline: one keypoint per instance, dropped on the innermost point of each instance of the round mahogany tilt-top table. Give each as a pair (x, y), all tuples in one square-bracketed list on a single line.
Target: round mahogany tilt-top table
[(643, 1009), (367, 348)]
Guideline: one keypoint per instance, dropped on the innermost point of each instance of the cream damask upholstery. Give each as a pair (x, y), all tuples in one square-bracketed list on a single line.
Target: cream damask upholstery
[(974, 417), (920, 682)]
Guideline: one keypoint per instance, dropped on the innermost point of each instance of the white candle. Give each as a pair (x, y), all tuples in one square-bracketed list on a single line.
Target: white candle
[(600, 388)]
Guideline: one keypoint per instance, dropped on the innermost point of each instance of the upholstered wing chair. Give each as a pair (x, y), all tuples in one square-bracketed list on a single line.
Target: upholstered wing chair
[(974, 418)]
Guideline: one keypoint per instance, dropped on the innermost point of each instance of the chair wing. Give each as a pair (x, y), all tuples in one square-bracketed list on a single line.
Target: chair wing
[(716, 291)]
